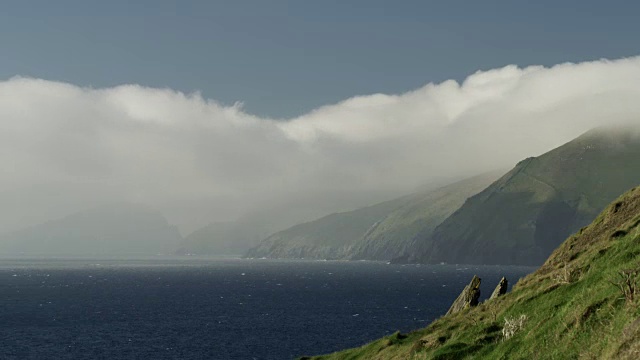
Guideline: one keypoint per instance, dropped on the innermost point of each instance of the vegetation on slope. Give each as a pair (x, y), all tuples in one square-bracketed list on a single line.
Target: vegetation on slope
[(527, 213), (236, 237), (583, 302), (378, 232), (327, 238), (420, 214)]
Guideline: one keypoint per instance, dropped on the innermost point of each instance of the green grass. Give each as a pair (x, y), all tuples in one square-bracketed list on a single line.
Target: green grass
[(527, 213), (572, 309), (420, 214)]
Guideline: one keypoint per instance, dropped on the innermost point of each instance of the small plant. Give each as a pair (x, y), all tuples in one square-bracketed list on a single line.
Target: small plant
[(494, 314), (627, 283), (567, 275), (513, 325), (419, 356)]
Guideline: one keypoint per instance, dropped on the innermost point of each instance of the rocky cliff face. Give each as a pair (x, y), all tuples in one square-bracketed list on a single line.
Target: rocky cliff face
[(500, 289), (468, 297)]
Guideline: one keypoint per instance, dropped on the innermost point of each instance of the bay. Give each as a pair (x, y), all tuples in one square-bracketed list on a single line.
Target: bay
[(218, 308)]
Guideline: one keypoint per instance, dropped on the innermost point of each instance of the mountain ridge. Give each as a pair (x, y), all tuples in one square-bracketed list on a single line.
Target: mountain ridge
[(524, 215), (377, 232), (117, 229)]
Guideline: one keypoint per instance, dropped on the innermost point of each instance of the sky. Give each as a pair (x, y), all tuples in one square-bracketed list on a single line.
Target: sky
[(285, 58), (211, 110)]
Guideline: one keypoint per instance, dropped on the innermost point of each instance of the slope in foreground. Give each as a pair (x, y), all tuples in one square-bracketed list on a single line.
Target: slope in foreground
[(583, 302)]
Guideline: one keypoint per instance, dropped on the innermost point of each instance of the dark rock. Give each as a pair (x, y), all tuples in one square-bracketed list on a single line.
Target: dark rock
[(501, 289), (400, 260), (468, 298)]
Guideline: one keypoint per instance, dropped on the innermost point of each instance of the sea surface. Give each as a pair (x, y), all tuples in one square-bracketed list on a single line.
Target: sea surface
[(218, 309)]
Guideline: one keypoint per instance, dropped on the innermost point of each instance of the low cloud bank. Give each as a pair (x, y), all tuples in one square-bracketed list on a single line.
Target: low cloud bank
[(64, 147)]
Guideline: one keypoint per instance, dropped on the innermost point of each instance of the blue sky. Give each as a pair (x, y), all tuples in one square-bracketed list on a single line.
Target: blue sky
[(284, 58)]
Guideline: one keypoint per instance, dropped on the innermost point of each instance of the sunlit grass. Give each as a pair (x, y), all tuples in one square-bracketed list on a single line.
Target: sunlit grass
[(572, 307)]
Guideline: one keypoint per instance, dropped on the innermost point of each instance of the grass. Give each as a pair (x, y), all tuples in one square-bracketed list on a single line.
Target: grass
[(572, 306), (527, 213), (378, 232)]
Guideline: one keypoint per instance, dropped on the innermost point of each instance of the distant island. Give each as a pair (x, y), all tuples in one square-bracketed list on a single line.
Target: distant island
[(114, 230)]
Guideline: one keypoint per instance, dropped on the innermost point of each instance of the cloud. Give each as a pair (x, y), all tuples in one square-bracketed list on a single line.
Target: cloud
[(65, 147)]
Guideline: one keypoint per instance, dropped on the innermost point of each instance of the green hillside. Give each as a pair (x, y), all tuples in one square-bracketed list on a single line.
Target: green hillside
[(582, 303), (329, 237), (236, 237), (420, 213), (527, 213), (379, 232)]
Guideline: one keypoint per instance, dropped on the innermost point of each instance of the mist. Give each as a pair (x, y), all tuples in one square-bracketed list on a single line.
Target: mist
[(66, 148)]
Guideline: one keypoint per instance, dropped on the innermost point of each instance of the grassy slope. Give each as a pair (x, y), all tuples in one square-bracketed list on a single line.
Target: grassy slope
[(378, 232), (237, 236), (326, 238), (527, 213), (421, 213), (572, 308)]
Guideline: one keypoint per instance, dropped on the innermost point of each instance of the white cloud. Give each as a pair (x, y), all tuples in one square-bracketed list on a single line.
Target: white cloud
[(65, 147)]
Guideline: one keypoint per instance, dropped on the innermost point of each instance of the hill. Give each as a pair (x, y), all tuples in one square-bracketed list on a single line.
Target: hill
[(581, 303), (115, 230), (225, 238), (420, 213), (329, 237), (527, 213), (236, 237), (378, 232)]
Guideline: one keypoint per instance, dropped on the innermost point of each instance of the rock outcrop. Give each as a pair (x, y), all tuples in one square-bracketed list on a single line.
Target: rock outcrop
[(468, 298), (501, 289)]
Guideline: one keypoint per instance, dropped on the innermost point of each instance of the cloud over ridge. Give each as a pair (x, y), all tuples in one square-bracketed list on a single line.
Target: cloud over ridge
[(64, 147)]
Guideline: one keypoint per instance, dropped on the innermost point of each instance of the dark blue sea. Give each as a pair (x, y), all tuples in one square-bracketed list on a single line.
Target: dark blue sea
[(218, 309)]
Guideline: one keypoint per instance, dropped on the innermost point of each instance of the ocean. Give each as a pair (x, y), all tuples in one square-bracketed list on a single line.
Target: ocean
[(218, 308)]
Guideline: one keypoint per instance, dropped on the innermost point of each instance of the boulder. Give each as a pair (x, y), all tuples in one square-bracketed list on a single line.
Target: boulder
[(501, 289), (468, 298)]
